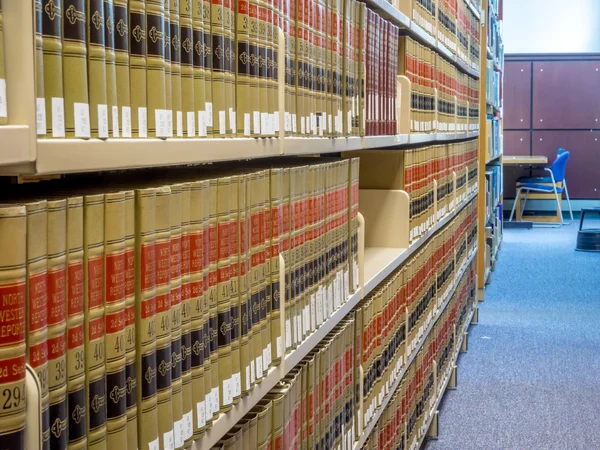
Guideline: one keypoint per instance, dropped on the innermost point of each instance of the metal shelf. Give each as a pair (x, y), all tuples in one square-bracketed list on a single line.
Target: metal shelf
[(493, 158)]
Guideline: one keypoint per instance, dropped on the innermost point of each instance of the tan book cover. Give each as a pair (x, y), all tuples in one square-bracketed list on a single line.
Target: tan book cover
[(213, 319), (115, 318), (121, 35), (256, 369), (208, 209), (145, 316), (52, 30), (4, 118), (263, 58), (224, 293), (253, 63), (168, 68), (163, 317), (219, 67), (175, 217), (93, 273), (186, 55), (111, 68), (289, 30), (155, 69), (295, 299), (13, 276), (246, 344), (286, 252), (265, 273), (271, 61), (200, 46), (130, 350), (39, 62), (235, 218), (57, 324), (207, 52), (264, 424), (96, 44), (186, 317), (245, 84), (138, 60), (276, 244), (299, 65), (75, 325), (176, 99), (229, 45)]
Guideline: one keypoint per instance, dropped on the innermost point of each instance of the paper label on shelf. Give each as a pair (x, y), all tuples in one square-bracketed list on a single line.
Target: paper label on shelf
[(264, 123), (102, 121), (288, 334), (188, 425), (248, 379), (259, 367), (82, 120), (126, 121), (252, 372), (169, 123), (227, 392), (115, 121), (319, 305), (279, 348), (3, 108), (154, 445), (256, 120), (179, 124), (313, 312), (40, 116), (191, 124), (162, 127), (236, 380), (215, 400), (246, 124), (276, 122), (58, 117), (143, 122), (302, 126), (209, 114), (222, 123), (294, 124), (202, 123), (169, 440), (178, 433), (265, 358)]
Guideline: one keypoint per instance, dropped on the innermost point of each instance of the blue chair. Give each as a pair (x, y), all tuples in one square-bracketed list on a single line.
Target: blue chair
[(553, 184)]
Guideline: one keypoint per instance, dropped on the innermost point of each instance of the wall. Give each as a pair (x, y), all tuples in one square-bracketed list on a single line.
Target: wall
[(551, 26), (553, 101)]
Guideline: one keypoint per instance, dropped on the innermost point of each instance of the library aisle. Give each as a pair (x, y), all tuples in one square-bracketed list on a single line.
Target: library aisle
[(530, 377)]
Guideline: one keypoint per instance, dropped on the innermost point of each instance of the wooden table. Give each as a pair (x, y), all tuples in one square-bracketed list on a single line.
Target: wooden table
[(530, 161)]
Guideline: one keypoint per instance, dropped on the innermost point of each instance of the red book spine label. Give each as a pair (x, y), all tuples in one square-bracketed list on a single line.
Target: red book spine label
[(76, 337), (38, 354), (163, 262), (148, 267), (95, 282), (12, 369), (12, 313), (96, 329), (56, 347), (129, 272), (56, 296), (115, 277), (75, 287), (115, 322), (38, 298)]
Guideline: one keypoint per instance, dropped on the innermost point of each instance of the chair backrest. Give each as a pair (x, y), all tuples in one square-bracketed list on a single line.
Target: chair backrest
[(559, 166)]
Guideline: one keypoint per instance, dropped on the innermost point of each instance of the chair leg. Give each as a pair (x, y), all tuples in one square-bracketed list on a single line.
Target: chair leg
[(559, 209), (524, 204), (512, 213), (568, 202)]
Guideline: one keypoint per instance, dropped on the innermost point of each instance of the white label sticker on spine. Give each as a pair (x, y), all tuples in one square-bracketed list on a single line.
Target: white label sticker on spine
[(259, 368), (215, 400), (3, 108), (279, 349), (264, 123), (58, 118), (202, 123), (191, 124), (265, 358), (168, 441), (313, 312), (102, 121), (246, 124), (209, 114), (126, 113), (256, 119), (252, 372), (188, 425), (294, 124), (178, 433), (232, 120), (82, 120), (154, 445), (227, 392), (302, 126), (40, 116), (179, 124), (276, 122), (248, 380), (143, 122), (115, 121), (161, 120), (222, 123), (269, 354), (288, 334), (236, 378)]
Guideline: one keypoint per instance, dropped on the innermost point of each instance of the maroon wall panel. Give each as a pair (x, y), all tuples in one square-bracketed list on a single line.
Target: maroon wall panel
[(517, 95), (583, 168), (566, 95), (516, 143)]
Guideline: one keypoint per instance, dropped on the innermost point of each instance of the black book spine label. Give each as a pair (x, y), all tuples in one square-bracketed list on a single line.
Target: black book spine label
[(131, 385), (59, 427), (197, 356), (224, 338), (74, 26), (77, 413), (163, 358), (121, 25), (175, 43), (176, 359), (52, 19), (156, 35), (149, 374), (186, 352), (218, 53), (137, 27), (213, 334), (117, 393), (276, 296), (206, 341), (246, 319), (97, 403), (96, 25)]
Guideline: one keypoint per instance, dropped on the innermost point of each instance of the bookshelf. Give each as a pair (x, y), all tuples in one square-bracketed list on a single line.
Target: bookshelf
[(490, 145)]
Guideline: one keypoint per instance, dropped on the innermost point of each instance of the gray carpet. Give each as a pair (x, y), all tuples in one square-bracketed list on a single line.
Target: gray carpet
[(531, 377)]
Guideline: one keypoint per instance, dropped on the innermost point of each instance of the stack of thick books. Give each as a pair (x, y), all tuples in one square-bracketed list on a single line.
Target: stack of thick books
[(147, 310)]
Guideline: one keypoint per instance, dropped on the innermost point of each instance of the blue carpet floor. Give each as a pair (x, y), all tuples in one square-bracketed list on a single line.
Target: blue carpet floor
[(531, 377)]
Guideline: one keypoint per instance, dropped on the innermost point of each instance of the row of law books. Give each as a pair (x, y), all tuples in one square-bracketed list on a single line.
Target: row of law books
[(200, 68), (456, 107), (149, 308), (404, 422), (414, 170), (318, 404), (3, 105)]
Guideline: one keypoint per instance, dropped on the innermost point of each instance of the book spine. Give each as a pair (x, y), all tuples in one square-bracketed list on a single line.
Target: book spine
[(138, 61), (115, 318), (186, 317), (289, 30), (97, 90), (256, 369), (229, 28), (155, 69), (264, 424), (121, 36), (194, 47), (176, 99), (285, 251), (234, 283), (39, 66), (163, 317), (298, 63), (246, 349), (263, 61), (242, 64), (52, 62), (145, 317), (176, 298), (213, 327), (276, 243), (254, 94), (272, 39), (219, 67), (111, 68), (186, 52), (4, 112), (75, 325), (295, 228), (265, 273), (13, 282), (224, 293), (56, 313), (95, 370), (168, 69), (207, 52), (130, 350)]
